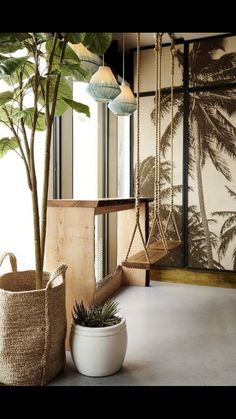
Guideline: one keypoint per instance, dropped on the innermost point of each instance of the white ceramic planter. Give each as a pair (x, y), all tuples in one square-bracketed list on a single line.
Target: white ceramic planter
[(98, 351)]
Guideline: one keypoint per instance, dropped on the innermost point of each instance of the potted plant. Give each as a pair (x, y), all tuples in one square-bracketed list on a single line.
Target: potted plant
[(36, 68), (98, 338)]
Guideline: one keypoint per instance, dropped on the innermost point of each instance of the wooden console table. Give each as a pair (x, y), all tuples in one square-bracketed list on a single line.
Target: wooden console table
[(71, 239)]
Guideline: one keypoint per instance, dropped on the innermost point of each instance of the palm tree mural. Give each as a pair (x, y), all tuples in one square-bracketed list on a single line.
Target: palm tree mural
[(147, 176), (228, 230), (211, 134), (197, 251)]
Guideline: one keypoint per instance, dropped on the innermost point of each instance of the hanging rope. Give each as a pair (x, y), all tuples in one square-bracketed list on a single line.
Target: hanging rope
[(157, 183), (171, 213), (137, 177)]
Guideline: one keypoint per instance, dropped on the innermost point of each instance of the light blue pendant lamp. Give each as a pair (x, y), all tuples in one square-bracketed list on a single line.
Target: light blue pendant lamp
[(87, 58), (125, 103), (103, 86)]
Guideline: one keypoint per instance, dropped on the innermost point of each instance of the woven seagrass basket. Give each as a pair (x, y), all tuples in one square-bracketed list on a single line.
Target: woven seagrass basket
[(32, 326)]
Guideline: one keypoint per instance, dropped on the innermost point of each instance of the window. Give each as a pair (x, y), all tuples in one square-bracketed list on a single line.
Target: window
[(85, 147), (16, 223), (123, 184), (101, 168)]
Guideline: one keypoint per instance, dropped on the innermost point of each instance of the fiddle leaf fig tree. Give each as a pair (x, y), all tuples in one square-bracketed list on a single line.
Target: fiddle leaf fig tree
[(40, 64)]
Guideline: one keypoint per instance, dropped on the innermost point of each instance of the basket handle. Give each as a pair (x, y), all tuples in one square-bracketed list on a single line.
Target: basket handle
[(61, 270), (12, 258)]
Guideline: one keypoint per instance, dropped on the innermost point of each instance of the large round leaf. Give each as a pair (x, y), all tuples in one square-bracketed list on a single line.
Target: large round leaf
[(28, 116), (5, 97), (64, 91), (76, 37), (7, 144), (10, 65), (97, 42)]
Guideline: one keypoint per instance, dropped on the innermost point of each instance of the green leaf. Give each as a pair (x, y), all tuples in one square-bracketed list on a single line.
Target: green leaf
[(55, 72), (76, 37), (12, 41), (13, 36), (27, 70), (40, 124), (7, 144), (61, 107), (97, 42), (5, 97), (10, 65), (77, 106), (9, 47), (64, 91), (74, 71), (3, 116), (69, 53), (43, 35), (96, 315), (57, 53), (27, 115)]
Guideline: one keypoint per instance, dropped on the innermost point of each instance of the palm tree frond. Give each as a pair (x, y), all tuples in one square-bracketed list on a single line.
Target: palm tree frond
[(223, 99), (180, 57), (219, 163), (200, 58), (223, 68), (165, 139), (223, 213), (232, 193), (228, 223), (226, 238), (166, 103)]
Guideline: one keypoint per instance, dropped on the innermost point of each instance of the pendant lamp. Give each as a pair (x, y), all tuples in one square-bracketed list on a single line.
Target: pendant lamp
[(90, 60), (124, 104), (103, 86)]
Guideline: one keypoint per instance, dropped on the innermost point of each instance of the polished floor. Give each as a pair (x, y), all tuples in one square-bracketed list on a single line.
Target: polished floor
[(178, 335)]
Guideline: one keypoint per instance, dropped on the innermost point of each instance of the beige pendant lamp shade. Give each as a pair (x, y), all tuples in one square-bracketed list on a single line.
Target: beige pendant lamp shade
[(103, 86), (124, 104), (88, 59)]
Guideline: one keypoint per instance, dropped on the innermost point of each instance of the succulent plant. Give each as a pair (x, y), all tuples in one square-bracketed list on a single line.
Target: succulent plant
[(96, 315)]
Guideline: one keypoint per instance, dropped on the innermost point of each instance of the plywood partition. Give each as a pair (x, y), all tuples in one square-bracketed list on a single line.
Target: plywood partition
[(70, 239), (108, 285)]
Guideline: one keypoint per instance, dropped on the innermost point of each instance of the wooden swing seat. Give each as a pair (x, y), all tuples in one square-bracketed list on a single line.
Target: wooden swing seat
[(156, 253)]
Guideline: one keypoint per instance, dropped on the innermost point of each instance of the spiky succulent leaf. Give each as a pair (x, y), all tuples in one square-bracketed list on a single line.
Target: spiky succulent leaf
[(96, 315)]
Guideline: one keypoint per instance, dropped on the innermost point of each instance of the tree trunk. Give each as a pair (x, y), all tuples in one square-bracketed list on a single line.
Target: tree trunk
[(210, 263)]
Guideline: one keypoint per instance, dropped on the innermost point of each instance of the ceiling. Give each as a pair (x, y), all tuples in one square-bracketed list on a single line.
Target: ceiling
[(147, 38)]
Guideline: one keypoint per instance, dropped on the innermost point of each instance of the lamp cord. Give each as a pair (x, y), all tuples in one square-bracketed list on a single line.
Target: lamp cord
[(123, 58)]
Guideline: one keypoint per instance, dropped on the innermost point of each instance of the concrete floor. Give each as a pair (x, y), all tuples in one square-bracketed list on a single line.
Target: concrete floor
[(178, 335)]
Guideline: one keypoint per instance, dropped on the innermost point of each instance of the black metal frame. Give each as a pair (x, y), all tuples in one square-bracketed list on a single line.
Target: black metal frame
[(57, 172), (186, 89), (185, 156)]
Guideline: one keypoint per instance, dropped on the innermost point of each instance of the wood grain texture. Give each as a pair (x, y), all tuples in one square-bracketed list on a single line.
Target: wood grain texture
[(98, 203), (70, 239), (195, 277), (108, 285), (156, 254)]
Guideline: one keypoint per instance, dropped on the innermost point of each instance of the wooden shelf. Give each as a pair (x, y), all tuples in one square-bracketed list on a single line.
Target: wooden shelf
[(156, 253), (101, 206)]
